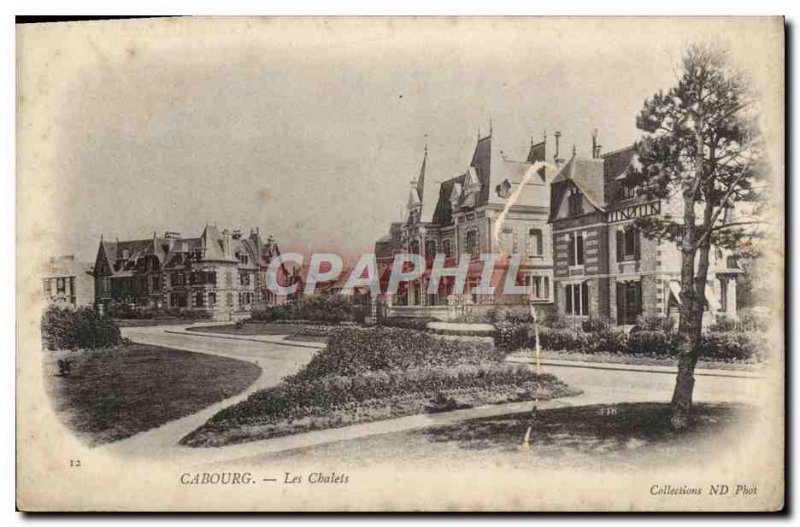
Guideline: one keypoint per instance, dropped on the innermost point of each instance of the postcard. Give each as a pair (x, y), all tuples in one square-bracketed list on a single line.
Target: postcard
[(401, 264)]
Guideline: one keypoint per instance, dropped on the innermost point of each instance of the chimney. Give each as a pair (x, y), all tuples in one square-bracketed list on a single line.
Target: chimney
[(594, 143), (226, 243), (558, 161)]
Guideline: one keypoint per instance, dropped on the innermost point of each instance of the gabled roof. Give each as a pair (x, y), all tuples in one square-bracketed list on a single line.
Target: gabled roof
[(615, 164), (136, 250), (443, 215), (587, 175)]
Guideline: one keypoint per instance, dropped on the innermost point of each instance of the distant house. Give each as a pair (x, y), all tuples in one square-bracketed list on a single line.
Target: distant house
[(68, 282), (220, 273)]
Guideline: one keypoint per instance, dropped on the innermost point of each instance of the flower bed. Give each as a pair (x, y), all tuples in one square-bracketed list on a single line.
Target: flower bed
[(367, 374), (332, 401)]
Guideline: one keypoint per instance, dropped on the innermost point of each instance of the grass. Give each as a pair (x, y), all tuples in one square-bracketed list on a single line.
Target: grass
[(115, 393), (142, 322), (635, 436), (295, 331), (623, 358)]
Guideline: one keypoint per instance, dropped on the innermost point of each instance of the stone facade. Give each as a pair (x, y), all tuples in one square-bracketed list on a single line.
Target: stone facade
[(461, 219), (221, 275)]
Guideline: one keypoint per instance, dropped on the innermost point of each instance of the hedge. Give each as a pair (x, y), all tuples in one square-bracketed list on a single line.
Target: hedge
[(320, 308), (83, 328), (714, 345)]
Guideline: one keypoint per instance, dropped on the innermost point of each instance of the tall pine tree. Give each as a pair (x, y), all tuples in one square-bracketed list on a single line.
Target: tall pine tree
[(701, 151)]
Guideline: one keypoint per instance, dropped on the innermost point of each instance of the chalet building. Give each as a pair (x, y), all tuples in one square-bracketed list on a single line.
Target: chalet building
[(220, 274), (68, 283), (460, 217), (603, 266)]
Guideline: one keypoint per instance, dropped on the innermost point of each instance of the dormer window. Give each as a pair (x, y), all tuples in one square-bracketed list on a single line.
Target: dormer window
[(125, 254), (575, 202), (629, 190)]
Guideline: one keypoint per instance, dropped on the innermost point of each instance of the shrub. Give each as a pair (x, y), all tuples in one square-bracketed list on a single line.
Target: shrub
[(354, 351), (652, 343), (593, 324), (517, 314), (728, 346), (419, 324), (654, 323), (64, 328), (318, 308)]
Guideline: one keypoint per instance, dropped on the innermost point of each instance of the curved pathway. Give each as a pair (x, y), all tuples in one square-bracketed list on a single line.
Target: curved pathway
[(276, 360)]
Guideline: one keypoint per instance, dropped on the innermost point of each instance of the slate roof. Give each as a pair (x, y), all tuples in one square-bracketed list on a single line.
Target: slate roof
[(587, 175)]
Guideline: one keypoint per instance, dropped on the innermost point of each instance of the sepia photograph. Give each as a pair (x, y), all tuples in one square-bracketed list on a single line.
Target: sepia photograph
[(425, 264)]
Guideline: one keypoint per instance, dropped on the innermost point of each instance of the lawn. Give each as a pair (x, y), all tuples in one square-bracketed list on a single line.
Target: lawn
[(632, 436), (300, 332), (113, 394)]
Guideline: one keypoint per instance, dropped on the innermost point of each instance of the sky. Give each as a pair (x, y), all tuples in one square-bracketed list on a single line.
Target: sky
[(311, 130)]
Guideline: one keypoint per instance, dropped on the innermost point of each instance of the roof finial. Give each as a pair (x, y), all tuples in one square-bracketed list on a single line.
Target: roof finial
[(426, 144), (101, 237), (490, 126), (574, 149), (479, 132)]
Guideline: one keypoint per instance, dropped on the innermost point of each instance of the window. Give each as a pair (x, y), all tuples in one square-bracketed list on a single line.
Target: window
[(723, 294), (575, 202), (540, 286), (629, 190), (156, 283), (46, 284), (178, 279), (627, 244), (61, 286), (177, 300), (576, 298), (629, 302), (430, 248), (575, 248), (472, 247), (535, 240), (199, 299), (413, 247), (244, 278), (447, 247), (212, 299)]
